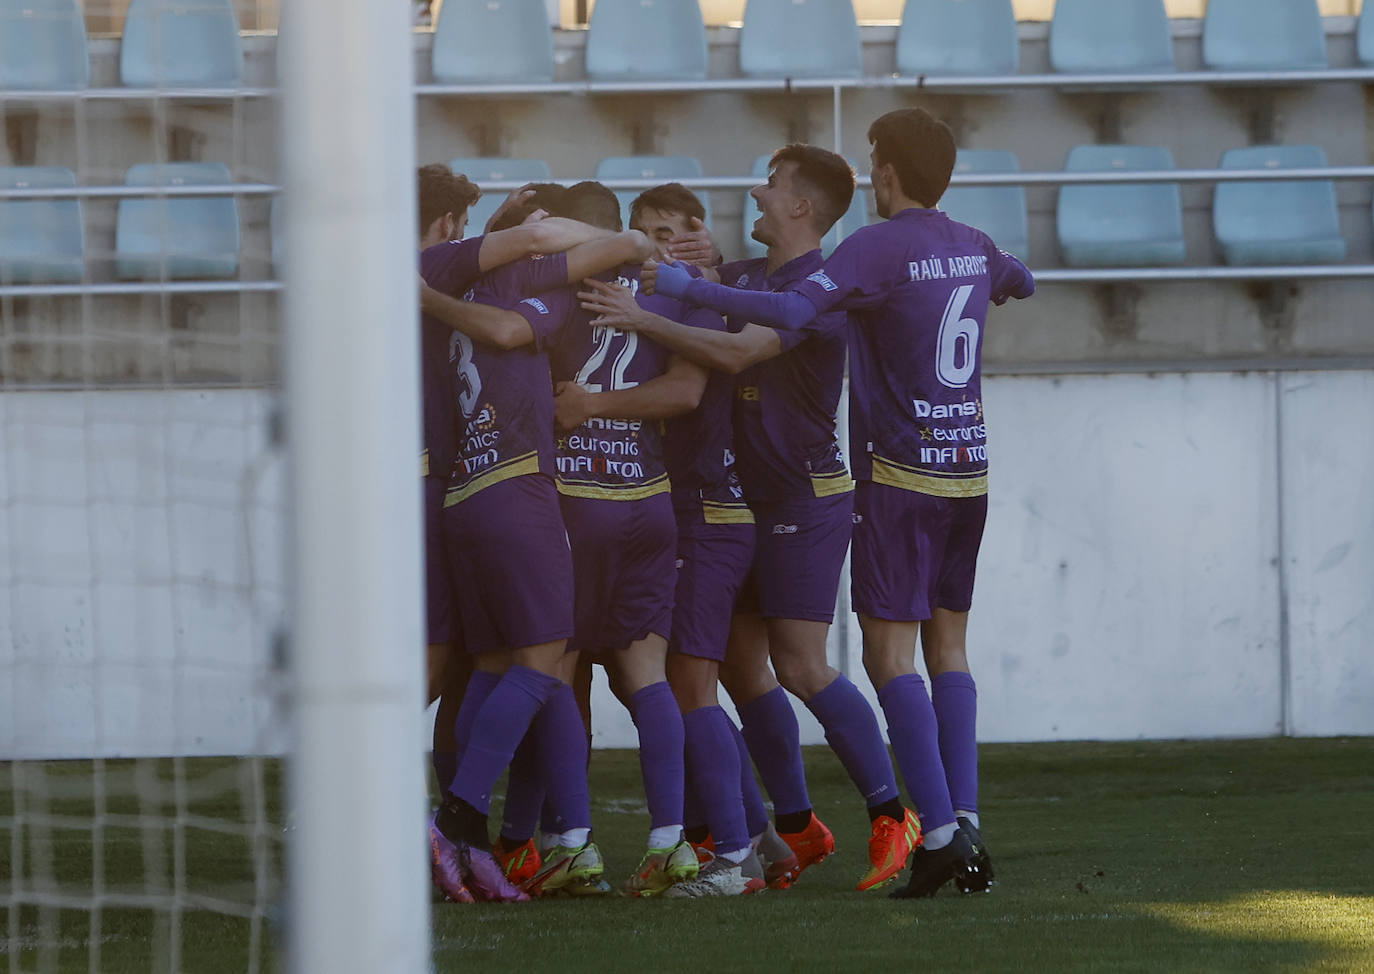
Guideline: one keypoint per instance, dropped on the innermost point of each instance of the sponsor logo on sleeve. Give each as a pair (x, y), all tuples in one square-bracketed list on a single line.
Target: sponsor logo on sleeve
[(824, 281), (537, 305)]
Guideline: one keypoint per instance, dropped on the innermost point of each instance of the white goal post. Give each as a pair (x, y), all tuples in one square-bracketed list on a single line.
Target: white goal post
[(359, 887)]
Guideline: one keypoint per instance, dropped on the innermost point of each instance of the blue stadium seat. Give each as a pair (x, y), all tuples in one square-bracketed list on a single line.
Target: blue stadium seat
[(41, 241), (1260, 35), (43, 45), (999, 211), (1123, 36), (664, 169), (961, 37), (617, 49), (800, 39), (177, 237), (1120, 225), (482, 170), (1364, 35), (183, 43), (493, 42), (1277, 223), (856, 216)]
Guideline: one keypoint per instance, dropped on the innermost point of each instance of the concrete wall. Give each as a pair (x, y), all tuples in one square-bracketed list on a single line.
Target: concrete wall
[(1176, 555)]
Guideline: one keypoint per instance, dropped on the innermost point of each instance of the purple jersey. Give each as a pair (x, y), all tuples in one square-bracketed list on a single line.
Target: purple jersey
[(611, 459), (450, 268), (504, 398), (917, 288), (785, 407)]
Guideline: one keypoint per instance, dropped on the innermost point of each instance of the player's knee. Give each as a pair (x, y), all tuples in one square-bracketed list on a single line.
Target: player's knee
[(804, 677)]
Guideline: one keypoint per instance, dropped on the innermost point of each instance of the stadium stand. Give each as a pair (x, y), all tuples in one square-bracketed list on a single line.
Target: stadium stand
[(488, 170), (954, 37), (1273, 35), (616, 48), (1364, 35), (1277, 222), (177, 237), (1120, 225), (999, 211), (43, 45), (799, 39), (1091, 37), (188, 44), (41, 241), (656, 169), (492, 42)]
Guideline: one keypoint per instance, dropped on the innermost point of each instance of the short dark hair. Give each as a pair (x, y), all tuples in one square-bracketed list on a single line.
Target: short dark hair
[(827, 176), (442, 191), (919, 147), (547, 197), (668, 198), (593, 203)]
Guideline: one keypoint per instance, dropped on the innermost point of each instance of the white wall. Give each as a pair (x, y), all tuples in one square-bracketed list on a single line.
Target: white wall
[(1129, 584)]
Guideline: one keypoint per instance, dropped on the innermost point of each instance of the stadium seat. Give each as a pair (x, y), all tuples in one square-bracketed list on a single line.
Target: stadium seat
[(1260, 35), (182, 43), (41, 241), (999, 211), (616, 47), (1277, 223), (1124, 36), (665, 169), (1120, 225), (489, 169), (43, 45), (177, 237), (493, 42), (1364, 35), (855, 217), (961, 37), (800, 39)]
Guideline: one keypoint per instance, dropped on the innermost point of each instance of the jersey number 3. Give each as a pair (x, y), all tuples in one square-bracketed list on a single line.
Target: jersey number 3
[(956, 350), (469, 382)]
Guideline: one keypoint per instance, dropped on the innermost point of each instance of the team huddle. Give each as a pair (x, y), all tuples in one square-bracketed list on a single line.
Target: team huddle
[(631, 460)]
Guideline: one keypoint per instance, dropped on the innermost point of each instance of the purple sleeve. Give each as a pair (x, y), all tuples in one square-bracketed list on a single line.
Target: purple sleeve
[(1010, 278), (778, 309), (847, 279), (547, 273), (703, 318), (546, 314), (452, 267), (825, 324)]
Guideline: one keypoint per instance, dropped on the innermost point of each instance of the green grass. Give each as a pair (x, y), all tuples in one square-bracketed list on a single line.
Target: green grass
[(1184, 856)]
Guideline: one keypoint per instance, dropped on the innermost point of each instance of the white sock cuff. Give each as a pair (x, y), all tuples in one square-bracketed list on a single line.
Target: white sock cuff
[(971, 816), (941, 837), (665, 837)]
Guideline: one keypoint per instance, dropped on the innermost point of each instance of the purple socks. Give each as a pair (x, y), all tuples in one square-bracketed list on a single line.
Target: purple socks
[(915, 740), (661, 752), (956, 709), (852, 732), (713, 763), (496, 729), (770, 729), (755, 812)]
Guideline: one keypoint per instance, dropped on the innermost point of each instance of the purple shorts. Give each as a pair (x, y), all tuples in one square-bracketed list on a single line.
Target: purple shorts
[(712, 563), (914, 552), (513, 585), (798, 554), (623, 556), (438, 575)]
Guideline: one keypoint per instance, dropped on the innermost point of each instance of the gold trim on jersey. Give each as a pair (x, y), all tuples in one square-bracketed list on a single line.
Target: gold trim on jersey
[(933, 482), (424, 463), (830, 484), (714, 512), (516, 467), (605, 492)]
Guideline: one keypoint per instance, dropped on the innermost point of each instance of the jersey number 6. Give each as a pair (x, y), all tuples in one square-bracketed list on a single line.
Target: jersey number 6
[(954, 330)]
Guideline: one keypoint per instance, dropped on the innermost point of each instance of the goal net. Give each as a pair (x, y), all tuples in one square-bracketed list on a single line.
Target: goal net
[(209, 572)]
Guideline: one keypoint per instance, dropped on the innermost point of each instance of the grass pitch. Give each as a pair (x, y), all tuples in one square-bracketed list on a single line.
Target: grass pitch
[(1178, 856)]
